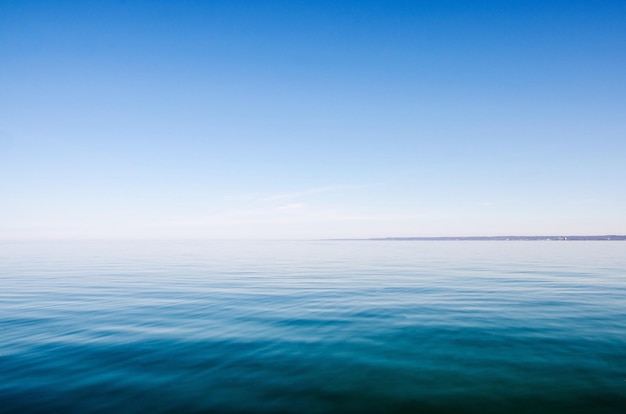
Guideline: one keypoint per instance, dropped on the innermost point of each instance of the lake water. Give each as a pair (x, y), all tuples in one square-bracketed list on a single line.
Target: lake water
[(313, 327)]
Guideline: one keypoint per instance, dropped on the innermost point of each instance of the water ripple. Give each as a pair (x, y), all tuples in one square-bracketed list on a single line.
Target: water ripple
[(313, 327)]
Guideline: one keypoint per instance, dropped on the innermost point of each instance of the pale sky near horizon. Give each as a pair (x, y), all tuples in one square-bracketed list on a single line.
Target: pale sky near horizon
[(311, 119)]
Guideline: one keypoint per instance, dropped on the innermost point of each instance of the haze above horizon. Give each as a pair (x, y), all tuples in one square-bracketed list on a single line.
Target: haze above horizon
[(349, 119)]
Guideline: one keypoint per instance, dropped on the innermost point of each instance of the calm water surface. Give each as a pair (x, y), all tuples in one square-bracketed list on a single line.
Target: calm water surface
[(313, 327)]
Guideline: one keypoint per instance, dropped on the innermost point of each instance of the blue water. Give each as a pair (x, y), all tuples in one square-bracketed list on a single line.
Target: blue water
[(313, 327)]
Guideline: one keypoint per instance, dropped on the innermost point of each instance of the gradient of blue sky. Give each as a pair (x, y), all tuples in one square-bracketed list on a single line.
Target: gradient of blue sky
[(306, 119)]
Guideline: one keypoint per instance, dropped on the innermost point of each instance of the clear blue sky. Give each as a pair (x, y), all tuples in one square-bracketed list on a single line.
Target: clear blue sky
[(307, 119)]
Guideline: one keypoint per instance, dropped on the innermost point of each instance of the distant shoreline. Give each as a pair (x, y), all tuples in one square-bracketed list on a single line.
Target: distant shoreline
[(501, 238), (508, 238)]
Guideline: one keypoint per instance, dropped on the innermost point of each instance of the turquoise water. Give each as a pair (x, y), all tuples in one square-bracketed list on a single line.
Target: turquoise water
[(313, 327)]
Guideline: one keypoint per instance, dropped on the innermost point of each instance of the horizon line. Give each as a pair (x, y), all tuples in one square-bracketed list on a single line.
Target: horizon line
[(605, 237)]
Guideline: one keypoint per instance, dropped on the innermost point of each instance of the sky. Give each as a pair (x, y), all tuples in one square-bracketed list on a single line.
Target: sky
[(311, 119)]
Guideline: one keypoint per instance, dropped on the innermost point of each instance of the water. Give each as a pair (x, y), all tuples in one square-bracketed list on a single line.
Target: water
[(313, 327)]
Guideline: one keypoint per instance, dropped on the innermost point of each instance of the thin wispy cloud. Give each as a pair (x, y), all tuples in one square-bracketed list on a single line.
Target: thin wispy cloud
[(310, 191), (297, 213), (290, 207)]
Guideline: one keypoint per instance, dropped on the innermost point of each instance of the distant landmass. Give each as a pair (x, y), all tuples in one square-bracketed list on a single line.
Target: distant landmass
[(505, 238)]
